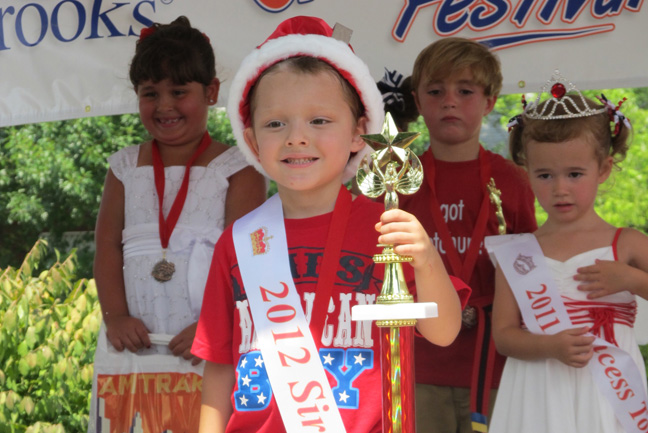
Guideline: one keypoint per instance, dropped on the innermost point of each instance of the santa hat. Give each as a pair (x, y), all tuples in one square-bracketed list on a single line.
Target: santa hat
[(303, 36)]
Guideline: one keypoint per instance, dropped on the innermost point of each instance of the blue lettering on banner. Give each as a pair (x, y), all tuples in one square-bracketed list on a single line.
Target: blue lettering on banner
[(453, 16), (32, 22), (253, 391)]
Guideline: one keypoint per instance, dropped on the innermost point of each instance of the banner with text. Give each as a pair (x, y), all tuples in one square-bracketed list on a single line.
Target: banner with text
[(62, 59)]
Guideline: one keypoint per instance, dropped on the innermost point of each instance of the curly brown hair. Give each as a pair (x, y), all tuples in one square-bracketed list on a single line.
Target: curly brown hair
[(175, 51)]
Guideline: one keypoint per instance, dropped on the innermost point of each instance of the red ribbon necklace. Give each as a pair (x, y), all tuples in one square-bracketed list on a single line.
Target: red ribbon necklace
[(330, 261), (463, 269), (163, 270)]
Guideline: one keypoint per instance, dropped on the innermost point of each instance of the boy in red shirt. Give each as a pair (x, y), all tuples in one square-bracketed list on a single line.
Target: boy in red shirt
[(298, 106), (456, 82)]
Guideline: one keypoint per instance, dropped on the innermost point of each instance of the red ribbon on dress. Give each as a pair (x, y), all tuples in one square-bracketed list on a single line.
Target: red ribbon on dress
[(166, 226)]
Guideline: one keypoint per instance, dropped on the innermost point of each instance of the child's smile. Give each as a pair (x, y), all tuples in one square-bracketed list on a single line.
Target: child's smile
[(303, 132)]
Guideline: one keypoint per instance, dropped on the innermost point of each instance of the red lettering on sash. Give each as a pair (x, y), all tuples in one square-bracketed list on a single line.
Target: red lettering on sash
[(642, 423), (624, 391), (542, 302), (281, 294), (305, 394), (303, 360), (281, 313), (612, 371), (282, 335)]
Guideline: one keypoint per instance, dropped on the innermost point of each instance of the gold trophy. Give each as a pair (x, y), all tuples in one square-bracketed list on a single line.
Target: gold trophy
[(496, 198), (392, 168)]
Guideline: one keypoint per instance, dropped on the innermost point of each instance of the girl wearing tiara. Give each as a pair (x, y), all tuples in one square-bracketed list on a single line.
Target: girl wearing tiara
[(565, 303)]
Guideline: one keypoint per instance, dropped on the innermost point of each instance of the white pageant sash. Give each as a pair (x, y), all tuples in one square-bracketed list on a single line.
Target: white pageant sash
[(299, 383), (614, 371)]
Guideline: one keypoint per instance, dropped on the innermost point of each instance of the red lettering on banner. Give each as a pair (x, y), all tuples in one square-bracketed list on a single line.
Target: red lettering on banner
[(540, 303), (282, 294)]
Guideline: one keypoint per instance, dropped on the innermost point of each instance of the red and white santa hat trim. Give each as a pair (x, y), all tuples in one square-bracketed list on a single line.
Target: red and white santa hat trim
[(303, 36)]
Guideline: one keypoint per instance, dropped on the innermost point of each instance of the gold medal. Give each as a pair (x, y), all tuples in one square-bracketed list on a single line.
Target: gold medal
[(163, 270)]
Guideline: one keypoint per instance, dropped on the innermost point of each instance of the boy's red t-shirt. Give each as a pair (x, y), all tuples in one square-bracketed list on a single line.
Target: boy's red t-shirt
[(350, 350), (459, 191)]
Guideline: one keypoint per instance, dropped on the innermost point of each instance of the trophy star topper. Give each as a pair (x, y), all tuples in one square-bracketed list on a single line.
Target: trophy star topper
[(390, 142), (392, 167)]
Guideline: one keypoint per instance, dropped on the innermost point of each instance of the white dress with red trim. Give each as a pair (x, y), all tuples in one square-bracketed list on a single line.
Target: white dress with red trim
[(547, 396), (169, 307)]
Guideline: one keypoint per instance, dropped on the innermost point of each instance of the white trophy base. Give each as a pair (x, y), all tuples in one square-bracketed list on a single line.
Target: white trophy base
[(416, 310)]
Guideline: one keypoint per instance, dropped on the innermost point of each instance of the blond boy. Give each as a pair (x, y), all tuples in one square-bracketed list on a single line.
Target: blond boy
[(456, 82)]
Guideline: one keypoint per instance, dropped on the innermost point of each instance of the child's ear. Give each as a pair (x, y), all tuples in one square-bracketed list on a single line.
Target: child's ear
[(490, 104), (212, 91), (250, 139), (605, 169), (361, 128)]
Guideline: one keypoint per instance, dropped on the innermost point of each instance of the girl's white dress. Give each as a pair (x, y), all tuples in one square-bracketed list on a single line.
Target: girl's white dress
[(169, 307), (547, 396)]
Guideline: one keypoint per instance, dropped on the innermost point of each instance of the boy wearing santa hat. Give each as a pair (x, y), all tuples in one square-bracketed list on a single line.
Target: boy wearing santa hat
[(275, 329)]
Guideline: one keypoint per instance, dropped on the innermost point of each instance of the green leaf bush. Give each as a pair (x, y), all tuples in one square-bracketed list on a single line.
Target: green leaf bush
[(47, 343)]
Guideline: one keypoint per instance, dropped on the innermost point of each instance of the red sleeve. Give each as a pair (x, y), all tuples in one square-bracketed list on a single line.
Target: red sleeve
[(463, 290), (214, 334)]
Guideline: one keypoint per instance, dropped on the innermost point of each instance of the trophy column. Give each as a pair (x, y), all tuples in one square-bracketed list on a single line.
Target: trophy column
[(390, 169)]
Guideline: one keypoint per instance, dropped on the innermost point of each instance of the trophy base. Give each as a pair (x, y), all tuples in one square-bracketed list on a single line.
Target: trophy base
[(395, 312)]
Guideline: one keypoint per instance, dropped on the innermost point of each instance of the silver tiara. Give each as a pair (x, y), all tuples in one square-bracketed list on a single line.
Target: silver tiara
[(564, 94)]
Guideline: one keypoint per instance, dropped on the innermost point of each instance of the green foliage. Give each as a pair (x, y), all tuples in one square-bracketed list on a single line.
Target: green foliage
[(47, 341), (51, 179)]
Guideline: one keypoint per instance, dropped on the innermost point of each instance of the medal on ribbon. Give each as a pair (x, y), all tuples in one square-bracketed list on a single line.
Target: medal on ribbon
[(163, 270)]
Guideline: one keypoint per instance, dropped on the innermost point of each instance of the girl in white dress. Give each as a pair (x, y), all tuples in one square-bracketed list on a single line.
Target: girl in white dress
[(569, 145), (166, 201)]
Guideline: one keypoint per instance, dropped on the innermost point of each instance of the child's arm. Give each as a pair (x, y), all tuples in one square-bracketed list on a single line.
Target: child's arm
[(246, 192), (123, 331), (403, 230), (570, 347), (606, 277), (216, 409)]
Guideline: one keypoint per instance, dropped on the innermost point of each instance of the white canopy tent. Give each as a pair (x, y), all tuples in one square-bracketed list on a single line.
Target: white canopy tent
[(62, 59)]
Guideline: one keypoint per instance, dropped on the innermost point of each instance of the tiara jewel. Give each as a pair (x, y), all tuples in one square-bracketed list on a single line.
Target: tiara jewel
[(563, 94)]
